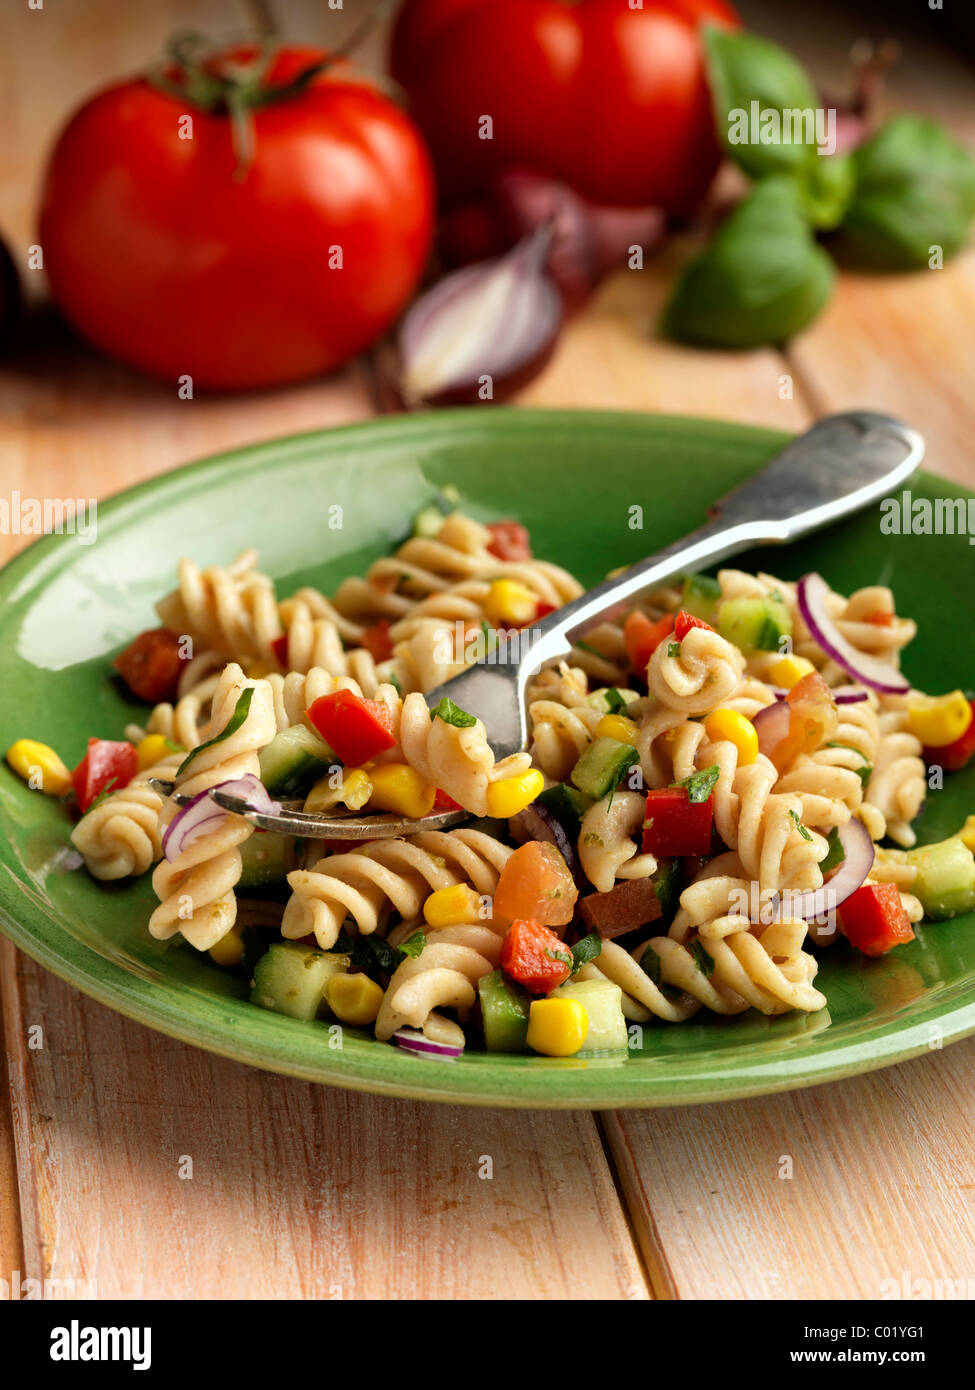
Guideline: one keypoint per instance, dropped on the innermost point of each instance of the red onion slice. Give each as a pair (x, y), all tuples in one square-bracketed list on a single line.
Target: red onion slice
[(772, 726), (412, 1041), (202, 814), (848, 695), (812, 593), (818, 903), (490, 320)]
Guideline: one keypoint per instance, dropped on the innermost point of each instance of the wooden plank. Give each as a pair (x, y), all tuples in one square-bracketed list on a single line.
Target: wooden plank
[(297, 1191), (11, 1235), (881, 1187)]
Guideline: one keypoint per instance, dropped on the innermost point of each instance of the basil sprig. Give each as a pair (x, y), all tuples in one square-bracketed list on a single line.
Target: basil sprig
[(585, 950), (233, 724), (452, 714), (700, 785)]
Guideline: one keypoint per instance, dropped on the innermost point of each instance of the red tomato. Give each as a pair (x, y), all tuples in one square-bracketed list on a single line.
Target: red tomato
[(356, 729), (443, 801), (874, 919), (610, 98), (641, 638), (536, 882), (280, 649), (685, 621), (377, 641), (106, 766), (164, 257), (509, 540), (151, 664), (674, 824), (954, 756), (535, 957)]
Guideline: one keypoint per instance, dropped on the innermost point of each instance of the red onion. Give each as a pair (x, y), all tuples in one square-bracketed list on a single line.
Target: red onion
[(772, 726), (412, 1041), (859, 850), (848, 695), (812, 593), (540, 824), (485, 327), (202, 814)]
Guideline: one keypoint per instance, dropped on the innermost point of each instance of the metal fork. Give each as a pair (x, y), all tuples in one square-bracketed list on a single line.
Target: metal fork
[(837, 467)]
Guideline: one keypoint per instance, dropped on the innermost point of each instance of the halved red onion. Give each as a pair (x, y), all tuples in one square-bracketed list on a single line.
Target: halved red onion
[(813, 593), (412, 1041), (848, 695), (859, 850), (488, 322), (202, 814), (772, 726)]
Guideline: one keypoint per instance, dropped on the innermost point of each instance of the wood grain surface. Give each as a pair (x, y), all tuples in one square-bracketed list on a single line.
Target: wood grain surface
[(301, 1191)]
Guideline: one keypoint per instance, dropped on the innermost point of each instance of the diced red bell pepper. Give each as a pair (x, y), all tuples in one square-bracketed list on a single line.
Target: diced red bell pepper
[(280, 649), (150, 665), (107, 765), (443, 802), (355, 729), (954, 756), (685, 621), (674, 824), (509, 540), (641, 638), (544, 609), (535, 957), (377, 641), (874, 920), (880, 617)]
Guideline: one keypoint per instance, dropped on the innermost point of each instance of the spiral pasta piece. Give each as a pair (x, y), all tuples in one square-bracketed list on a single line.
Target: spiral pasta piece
[(898, 783), (608, 847), (384, 875), (830, 782), (231, 610), (120, 835), (458, 760), (563, 722), (196, 888), (443, 975), (700, 677)]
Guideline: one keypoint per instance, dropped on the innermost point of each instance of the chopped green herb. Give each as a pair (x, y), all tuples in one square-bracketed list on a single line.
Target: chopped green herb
[(562, 956), (614, 700), (836, 853), (865, 773), (673, 649), (586, 647), (387, 957), (393, 680), (650, 964), (233, 724), (586, 950), (452, 714), (794, 816), (700, 785), (97, 801), (703, 961), (414, 944)]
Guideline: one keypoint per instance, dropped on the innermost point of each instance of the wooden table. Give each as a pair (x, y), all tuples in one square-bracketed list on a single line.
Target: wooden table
[(308, 1192)]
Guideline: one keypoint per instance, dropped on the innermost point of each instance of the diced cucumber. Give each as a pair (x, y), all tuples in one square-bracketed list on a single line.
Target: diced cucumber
[(755, 624), (567, 806), (700, 595), (603, 766), (604, 702), (603, 1002), (268, 858), (294, 760), (945, 878), (291, 979), (429, 519), (669, 881), (504, 1013)]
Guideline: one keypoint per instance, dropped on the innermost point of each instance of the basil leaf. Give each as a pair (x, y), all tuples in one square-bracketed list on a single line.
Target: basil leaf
[(673, 649), (233, 724), (762, 98), (703, 961), (414, 944), (701, 784), (650, 965), (826, 189), (586, 950), (387, 957), (836, 854), (452, 714), (761, 280), (562, 957), (794, 816), (915, 190), (393, 680)]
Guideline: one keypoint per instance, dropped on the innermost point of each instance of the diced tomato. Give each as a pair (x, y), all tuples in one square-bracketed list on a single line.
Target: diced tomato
[(280, 649), (106, 766), (443, 802), (509, 540), (377, 641), (812, 720), (954, 756), (685, 621), (536, 883), (879, 617), (641, 638), (674, 824), (544, 609), (535, 957), (150, 665), (874, 920), (355, 729)]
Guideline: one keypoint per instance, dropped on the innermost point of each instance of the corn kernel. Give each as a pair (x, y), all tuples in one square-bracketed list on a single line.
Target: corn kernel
[(39, 766), (617, 726), (228, 951), (789, 671), (967, 834), (258, 669), (353, 790), (399, 788), (729, 725), (152, 749), (353, 999), (509, 604), (511, 795), (940, 719), (557, 1027), (452, 907)]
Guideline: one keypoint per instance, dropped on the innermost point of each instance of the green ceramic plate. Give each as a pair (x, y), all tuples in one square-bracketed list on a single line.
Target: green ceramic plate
[(572, 478)]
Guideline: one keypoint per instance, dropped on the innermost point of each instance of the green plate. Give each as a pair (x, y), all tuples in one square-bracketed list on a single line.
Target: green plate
[(573, 479)]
